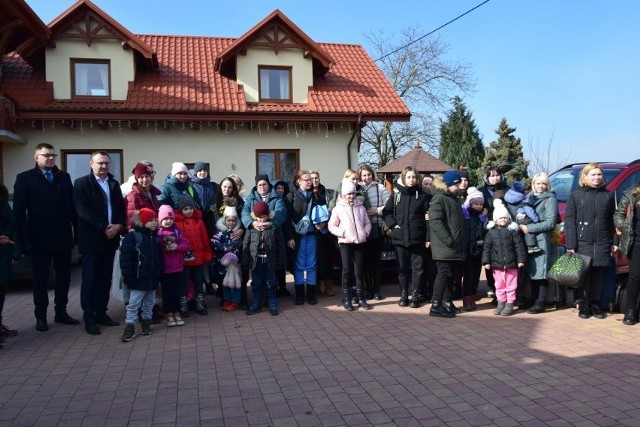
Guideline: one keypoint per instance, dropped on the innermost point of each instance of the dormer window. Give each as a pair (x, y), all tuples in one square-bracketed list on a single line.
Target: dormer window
[(91, 77), (275, 84)]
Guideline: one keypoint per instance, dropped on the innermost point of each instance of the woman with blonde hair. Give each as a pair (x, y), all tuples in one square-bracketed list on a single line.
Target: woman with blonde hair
[(589, 230), (543, 200)]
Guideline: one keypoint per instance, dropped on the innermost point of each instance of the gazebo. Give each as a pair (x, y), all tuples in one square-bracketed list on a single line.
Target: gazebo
[(419, 159)]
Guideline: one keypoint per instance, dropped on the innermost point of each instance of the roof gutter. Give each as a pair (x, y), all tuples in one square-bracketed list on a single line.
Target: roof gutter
[(351, 141)]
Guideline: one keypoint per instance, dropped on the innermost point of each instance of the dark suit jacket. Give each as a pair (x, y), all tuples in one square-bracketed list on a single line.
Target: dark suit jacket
[(44, 211), (91, 205)]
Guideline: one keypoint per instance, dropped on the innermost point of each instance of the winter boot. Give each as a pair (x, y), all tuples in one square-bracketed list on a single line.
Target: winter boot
[(346, 299), (508, 309), (354, 296), (468, 303), (415, 299), (184, 307), (404, 298), (311, 295), (129, 332), (299, 294), (362, 302), (537, 308), (449, 305), (438, 310), (256, 301), (629, 317), (201, 307), (499, 308), (209, 289), (146, 326), (328, 288)]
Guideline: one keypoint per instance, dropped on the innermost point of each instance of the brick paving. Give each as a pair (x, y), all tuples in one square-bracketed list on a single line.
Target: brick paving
[(318, 365)]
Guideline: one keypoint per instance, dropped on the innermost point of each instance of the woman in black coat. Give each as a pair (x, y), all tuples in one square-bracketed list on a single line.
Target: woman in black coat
[(404, 213), (589, 230)]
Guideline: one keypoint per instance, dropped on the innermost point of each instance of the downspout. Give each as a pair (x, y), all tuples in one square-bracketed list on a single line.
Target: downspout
[(351, 141)]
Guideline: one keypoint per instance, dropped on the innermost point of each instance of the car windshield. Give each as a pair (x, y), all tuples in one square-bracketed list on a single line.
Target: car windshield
[(565, 181)]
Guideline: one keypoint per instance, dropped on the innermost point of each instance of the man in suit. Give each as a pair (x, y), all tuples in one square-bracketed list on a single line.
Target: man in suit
[(101, 219), (45, 215)]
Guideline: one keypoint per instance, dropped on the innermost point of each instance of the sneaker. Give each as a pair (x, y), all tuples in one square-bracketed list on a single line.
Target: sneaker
[(533, 249), (273, 311), (129, 333), (171, 321), (178, 319), (233, 306), (491, 294)]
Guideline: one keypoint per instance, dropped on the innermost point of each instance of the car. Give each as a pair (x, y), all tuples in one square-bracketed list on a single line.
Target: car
[(618, 176)]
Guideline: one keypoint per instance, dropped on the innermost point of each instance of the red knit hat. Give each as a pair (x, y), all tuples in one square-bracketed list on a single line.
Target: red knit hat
[(146, 215), (261, 208), (141, 169)]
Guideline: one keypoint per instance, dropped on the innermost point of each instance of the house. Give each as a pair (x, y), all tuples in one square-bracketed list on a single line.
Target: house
[(271, 101)]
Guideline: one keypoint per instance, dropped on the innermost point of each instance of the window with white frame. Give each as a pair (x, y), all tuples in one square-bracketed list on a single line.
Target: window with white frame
[(91, 77), (275, 83)]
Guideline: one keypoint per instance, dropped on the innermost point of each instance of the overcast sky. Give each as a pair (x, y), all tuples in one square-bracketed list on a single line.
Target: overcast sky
[(565, 71)]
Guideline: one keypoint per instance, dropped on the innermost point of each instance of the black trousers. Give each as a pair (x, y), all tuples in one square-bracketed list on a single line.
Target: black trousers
[(410, 264), (352, 260), (471, 276), (96, 285), (41, 264), (444, 279)]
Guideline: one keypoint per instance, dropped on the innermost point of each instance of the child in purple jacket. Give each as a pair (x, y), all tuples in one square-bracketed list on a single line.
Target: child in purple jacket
[(172, 280)]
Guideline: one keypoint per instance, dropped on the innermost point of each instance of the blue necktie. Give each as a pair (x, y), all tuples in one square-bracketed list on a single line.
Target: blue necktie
[(49, 176)]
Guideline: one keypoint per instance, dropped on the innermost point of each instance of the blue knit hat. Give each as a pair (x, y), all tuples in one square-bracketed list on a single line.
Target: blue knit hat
[(451, 178)]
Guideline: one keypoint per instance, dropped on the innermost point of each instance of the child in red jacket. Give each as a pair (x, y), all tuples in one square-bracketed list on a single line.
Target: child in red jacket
[(189, 222)]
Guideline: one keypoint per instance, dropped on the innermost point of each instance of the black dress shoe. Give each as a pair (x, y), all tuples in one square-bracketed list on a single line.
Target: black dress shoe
[(92, 329), (41, 325), (65, 319), (106, 321)]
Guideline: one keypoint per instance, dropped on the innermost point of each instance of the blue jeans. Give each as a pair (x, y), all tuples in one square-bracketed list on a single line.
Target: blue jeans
[(306, 260), (96, 285), (262, 277), (138, 299)]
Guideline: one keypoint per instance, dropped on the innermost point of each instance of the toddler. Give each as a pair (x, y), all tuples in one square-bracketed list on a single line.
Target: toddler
[(224, 244), (522, 212), (141, 262), (473, 209), (503, 253)]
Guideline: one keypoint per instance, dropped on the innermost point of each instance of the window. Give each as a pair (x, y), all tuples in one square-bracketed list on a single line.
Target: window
[(76, 163), (278, 164), (90, 78), (275, 83)]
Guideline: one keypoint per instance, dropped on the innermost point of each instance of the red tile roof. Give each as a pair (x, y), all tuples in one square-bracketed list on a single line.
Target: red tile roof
[(419, 159), (186, 86)]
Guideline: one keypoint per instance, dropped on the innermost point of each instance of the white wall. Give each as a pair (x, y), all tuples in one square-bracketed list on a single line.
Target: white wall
[(232, 152), (58, 65)]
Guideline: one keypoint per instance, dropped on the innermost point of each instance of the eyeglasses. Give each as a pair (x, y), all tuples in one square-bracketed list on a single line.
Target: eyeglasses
[(306, 180), (47, 155), (102, 163)]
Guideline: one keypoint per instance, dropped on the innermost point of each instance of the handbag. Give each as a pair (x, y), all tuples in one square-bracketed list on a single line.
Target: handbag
[(570, 269), (302, 226)]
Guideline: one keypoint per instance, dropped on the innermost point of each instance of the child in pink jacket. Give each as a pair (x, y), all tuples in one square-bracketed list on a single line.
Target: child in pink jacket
[(351, 225)]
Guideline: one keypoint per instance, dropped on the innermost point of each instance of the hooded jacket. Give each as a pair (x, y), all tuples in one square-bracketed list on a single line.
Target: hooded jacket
[(447, 224), (136, 199), (503, 247), (588, 223), (627, 223), (274, 201), (141, 265), (349, 222), (194, 231), (404, 214), (173, 189)]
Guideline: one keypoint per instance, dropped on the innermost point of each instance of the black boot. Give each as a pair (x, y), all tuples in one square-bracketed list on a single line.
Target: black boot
[(184, 307), (449, 306), (362, 302), (354, 296), (209, 289), (404, 298), (346, 300), (311, 295), (201, 307), (438, 310), (415, 299), (629, 317), (299, 294)]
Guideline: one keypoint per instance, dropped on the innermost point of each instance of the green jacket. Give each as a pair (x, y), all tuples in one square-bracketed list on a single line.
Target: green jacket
[(625, 222), (447, 225)]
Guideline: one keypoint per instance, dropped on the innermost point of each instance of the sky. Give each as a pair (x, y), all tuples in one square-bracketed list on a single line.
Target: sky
[(564, 73)]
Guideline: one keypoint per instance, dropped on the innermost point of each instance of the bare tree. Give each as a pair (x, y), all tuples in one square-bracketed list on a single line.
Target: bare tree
[(426, 80), (547, 157)]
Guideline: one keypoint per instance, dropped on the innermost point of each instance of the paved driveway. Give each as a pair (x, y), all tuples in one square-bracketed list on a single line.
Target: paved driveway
[(318, 365)]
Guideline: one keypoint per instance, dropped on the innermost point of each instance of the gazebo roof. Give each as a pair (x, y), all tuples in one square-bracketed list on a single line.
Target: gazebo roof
[(422, 161)]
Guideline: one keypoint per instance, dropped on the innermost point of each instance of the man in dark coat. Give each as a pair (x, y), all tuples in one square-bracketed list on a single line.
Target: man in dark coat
[(45, 215), (448, 233), (101, 219)]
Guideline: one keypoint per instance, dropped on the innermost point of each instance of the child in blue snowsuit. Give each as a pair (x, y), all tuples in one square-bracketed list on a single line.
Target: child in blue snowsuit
[(522, 213)]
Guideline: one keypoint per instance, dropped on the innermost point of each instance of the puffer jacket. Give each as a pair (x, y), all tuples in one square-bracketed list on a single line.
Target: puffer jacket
[(447, 224), (349, 222), (136, 199), (626, 224), (404, 214), (194, 231), (546, 207), (378, 197), (274, 201), (588, 223), (503, 247), (141, 266), (173, 260), (172, 190)]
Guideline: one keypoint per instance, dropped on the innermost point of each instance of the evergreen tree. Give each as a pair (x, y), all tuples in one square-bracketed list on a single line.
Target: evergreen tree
[(460, 143), (506, 153)]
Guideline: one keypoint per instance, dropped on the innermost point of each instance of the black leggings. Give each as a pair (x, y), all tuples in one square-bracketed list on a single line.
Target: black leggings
[(633, 282)]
